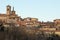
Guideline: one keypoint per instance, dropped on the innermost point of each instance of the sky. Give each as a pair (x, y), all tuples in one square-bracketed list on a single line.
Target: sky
[(44, 10)]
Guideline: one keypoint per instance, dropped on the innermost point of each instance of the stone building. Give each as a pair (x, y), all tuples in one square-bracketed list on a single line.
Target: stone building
[(47, 24), (57, 24), (10, 15), (29, 22)]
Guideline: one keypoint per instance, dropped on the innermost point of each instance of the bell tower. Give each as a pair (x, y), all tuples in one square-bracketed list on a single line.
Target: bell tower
[(13, 11), (8, 10)]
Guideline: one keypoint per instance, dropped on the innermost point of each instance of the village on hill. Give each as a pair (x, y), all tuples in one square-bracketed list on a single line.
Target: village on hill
[(13, 24)]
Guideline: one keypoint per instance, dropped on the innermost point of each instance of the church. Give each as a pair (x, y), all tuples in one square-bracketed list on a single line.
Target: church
[(9, 16)]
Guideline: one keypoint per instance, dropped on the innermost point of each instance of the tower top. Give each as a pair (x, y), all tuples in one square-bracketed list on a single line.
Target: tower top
[(13, 11), (8, 9), (13, 8), (8, 6)]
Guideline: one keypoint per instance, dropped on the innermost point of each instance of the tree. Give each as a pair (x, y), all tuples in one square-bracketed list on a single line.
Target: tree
[(54, 37)]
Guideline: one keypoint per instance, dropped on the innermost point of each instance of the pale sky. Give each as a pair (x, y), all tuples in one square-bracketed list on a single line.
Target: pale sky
[(44, 10)]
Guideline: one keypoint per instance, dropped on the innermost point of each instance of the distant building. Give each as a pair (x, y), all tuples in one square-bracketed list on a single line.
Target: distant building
[(31, 19), (29, 22), (57, 23), (10, 15), (47, 24)]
